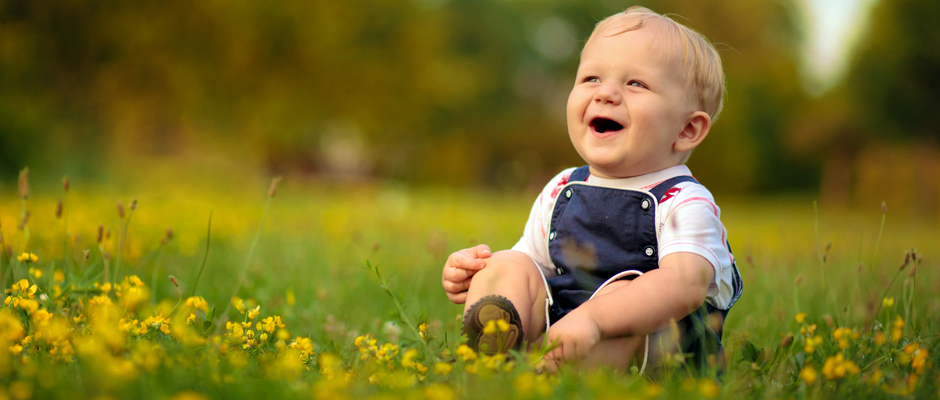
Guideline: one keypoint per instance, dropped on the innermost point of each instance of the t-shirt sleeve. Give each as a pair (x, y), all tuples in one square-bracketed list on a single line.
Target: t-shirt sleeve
[(692, 224), (534, 240)]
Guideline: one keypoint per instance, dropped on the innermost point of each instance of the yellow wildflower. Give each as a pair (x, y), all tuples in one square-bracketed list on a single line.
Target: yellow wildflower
[(812, 343), (897, 329), (58, 276), (198, 303), (239, 304), (466, 353), (808, 375), (423, 329), (443, 368), (502, 325), (708, 388), (888, 302), (808, 330), (252, 313), (27, 258), (490, 327), (35, 272), (800, 317), (838, 367), (29, 305), (920, 360), (191, 319), (880, 338), (439, 391)]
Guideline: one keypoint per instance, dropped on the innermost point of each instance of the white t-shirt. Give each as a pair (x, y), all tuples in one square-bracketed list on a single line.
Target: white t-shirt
[(687, 220)]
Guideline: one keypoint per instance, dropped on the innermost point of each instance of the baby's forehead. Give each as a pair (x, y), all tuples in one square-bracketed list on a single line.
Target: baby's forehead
[(665, 39), (666, 42)]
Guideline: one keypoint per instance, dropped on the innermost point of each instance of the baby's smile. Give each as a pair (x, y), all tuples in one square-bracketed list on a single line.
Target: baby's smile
[(601, 125)]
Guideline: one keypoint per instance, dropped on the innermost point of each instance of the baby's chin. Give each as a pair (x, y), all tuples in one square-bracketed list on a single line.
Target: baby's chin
[(616, 169)]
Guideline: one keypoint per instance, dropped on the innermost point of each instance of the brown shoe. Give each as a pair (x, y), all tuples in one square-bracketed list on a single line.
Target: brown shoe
[(493, 308)]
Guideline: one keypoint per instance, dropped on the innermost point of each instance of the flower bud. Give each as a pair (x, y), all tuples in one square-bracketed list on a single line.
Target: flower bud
[(273, 189), (86, 254), (134, 205), (100, 233), (884, 207), (65, 184), (107, 256), (174, 281), (58, 210), (787, 340), (23, 183), (120, 209)]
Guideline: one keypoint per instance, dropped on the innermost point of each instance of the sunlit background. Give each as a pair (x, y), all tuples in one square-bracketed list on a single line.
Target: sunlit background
[(835, 100)]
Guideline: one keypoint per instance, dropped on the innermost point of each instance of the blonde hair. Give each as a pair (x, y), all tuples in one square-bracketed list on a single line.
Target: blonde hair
[(705, 77)]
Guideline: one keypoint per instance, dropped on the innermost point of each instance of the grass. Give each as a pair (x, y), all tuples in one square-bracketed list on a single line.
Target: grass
[(328, 256)]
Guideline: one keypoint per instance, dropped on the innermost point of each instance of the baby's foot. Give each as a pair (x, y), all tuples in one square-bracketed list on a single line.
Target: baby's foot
[(492, 325)]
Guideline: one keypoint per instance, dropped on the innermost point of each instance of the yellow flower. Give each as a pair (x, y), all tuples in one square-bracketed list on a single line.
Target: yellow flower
[(800, 317), (897, 330), (808, 375), (466, 353), (880, 338), (28, 305), (888, 302), (502, 325), (812, 343), (920, 360), (239, 304), (708, 388), (439, 391), (191, 319), (58, 276), (35, 272), (490, 327), (443, 368), (423, 329), (407, 360), (198, 302), (838, 367), (27, 258), (252, 313)]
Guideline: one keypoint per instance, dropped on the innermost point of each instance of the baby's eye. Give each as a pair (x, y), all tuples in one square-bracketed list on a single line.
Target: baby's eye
[(592, 79), (636, 83)]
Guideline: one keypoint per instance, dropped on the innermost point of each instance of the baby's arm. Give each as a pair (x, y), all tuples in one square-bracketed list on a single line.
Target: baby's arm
[(640, 307)]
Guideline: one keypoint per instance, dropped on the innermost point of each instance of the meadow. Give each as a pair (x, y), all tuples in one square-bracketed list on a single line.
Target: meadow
[(320, 289)]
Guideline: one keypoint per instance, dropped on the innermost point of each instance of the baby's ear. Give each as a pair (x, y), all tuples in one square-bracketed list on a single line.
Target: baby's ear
[(694, 132)]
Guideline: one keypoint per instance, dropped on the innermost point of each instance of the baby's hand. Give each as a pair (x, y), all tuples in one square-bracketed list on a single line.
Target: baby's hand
[(575, 334), (459, 270)]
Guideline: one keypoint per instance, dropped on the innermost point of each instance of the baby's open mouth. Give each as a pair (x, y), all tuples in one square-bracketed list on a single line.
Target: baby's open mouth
[(602, 125)]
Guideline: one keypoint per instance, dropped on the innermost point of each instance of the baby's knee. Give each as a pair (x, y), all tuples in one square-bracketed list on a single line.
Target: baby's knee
[(508, 267), (510, 263)]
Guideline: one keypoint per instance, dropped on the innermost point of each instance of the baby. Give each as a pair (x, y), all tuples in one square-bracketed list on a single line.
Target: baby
[(629, 247)]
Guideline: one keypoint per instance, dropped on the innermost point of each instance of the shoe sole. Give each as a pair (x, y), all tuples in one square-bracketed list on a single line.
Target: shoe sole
[(492, 308)]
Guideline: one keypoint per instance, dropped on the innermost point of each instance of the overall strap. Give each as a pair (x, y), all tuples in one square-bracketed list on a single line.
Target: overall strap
[(662, 187), (579, 174)]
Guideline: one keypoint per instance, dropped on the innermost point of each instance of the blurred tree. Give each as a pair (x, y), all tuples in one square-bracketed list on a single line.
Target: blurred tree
[(453, 91), (878, 131)]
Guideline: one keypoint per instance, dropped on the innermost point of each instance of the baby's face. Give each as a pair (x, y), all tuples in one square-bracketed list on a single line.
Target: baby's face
[(628, 105)]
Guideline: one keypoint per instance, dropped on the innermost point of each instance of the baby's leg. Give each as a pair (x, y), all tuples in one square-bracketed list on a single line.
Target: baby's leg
[(616, 353), (513, 275)]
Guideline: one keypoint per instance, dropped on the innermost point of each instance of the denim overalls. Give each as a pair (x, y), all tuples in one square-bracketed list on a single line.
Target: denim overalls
[(598, 234)]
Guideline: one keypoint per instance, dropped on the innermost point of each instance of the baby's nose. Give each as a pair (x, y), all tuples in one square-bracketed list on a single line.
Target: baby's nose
[(607, 94)]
